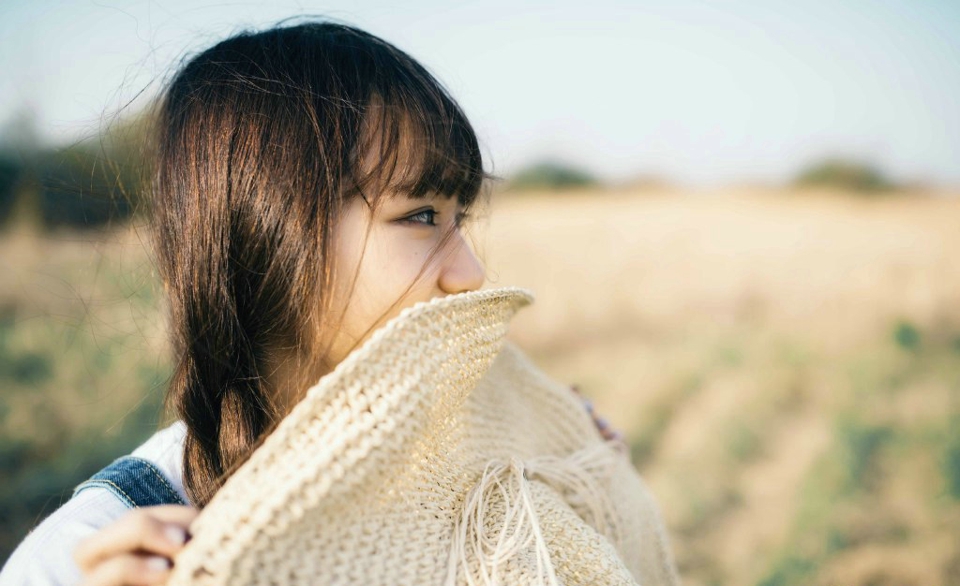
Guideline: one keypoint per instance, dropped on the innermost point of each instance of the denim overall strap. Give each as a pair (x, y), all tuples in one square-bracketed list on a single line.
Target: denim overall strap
[(135, 481)]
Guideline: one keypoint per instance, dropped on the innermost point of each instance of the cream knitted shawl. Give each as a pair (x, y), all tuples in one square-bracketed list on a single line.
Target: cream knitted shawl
[(436, 453)]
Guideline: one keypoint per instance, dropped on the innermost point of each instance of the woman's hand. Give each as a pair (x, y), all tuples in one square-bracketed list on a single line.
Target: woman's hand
[(137, 548), (603, 426)]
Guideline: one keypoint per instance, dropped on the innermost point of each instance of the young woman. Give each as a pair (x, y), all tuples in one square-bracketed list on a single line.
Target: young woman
[(310, 182)]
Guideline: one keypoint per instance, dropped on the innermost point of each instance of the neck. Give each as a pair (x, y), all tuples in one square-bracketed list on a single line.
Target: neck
[(289, 378)]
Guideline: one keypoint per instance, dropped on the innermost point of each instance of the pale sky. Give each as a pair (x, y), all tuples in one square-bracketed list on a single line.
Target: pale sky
[(702, 92)]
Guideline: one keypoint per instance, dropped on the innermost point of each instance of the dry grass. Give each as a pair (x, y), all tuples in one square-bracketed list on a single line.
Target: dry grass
[(747, 342), (786, 366)]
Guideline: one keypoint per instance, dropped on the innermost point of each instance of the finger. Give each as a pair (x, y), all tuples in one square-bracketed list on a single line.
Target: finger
[(177, 514), (129, 569), (158, 530)]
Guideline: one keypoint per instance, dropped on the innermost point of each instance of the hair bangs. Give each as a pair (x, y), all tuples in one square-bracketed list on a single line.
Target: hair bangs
[(419, 143)]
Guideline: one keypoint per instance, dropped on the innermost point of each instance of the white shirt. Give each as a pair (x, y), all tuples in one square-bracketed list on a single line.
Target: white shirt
[(45, 556)]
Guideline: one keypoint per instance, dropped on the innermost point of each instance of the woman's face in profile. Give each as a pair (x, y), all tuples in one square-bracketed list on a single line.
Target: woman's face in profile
[(387, 249)]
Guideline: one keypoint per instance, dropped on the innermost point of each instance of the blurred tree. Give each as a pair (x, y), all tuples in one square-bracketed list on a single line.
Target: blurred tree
[(89, 183), (18, 137), (19, 132), (78, 188), (844, 174), (551, 175), (10, 169)]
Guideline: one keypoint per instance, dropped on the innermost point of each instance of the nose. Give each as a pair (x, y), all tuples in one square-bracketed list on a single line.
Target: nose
[(462, 270)]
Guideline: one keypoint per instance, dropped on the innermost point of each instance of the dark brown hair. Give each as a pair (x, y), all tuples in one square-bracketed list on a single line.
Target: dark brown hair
[(261, 140)]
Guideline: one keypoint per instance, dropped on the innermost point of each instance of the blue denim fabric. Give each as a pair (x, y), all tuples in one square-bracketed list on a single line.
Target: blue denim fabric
[(135, 481)]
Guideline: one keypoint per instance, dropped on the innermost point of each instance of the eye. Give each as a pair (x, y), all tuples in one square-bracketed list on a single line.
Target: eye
[(425, 217)]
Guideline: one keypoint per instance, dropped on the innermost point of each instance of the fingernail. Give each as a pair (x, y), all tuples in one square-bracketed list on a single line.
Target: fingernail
[(175, 535), (158, 564)]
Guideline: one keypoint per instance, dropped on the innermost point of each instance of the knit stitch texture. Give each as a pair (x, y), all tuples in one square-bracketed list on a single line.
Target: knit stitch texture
[(436, 453)]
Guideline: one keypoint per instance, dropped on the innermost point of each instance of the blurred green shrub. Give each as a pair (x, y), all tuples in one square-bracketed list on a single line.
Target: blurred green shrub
[(551, 175), (845, 174), (950, 463), (861, 444), (29, 368), (744, 442), (906, 335), (789, 570)]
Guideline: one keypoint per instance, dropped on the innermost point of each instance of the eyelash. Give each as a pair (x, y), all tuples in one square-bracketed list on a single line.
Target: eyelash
[(461, 218), (430, 222)]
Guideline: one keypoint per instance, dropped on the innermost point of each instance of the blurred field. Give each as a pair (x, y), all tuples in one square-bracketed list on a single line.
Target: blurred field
[(786, 367)]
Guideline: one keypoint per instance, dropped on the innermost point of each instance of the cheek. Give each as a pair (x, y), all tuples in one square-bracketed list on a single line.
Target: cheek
[(387, 270), (403, 259), (394, 267)]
